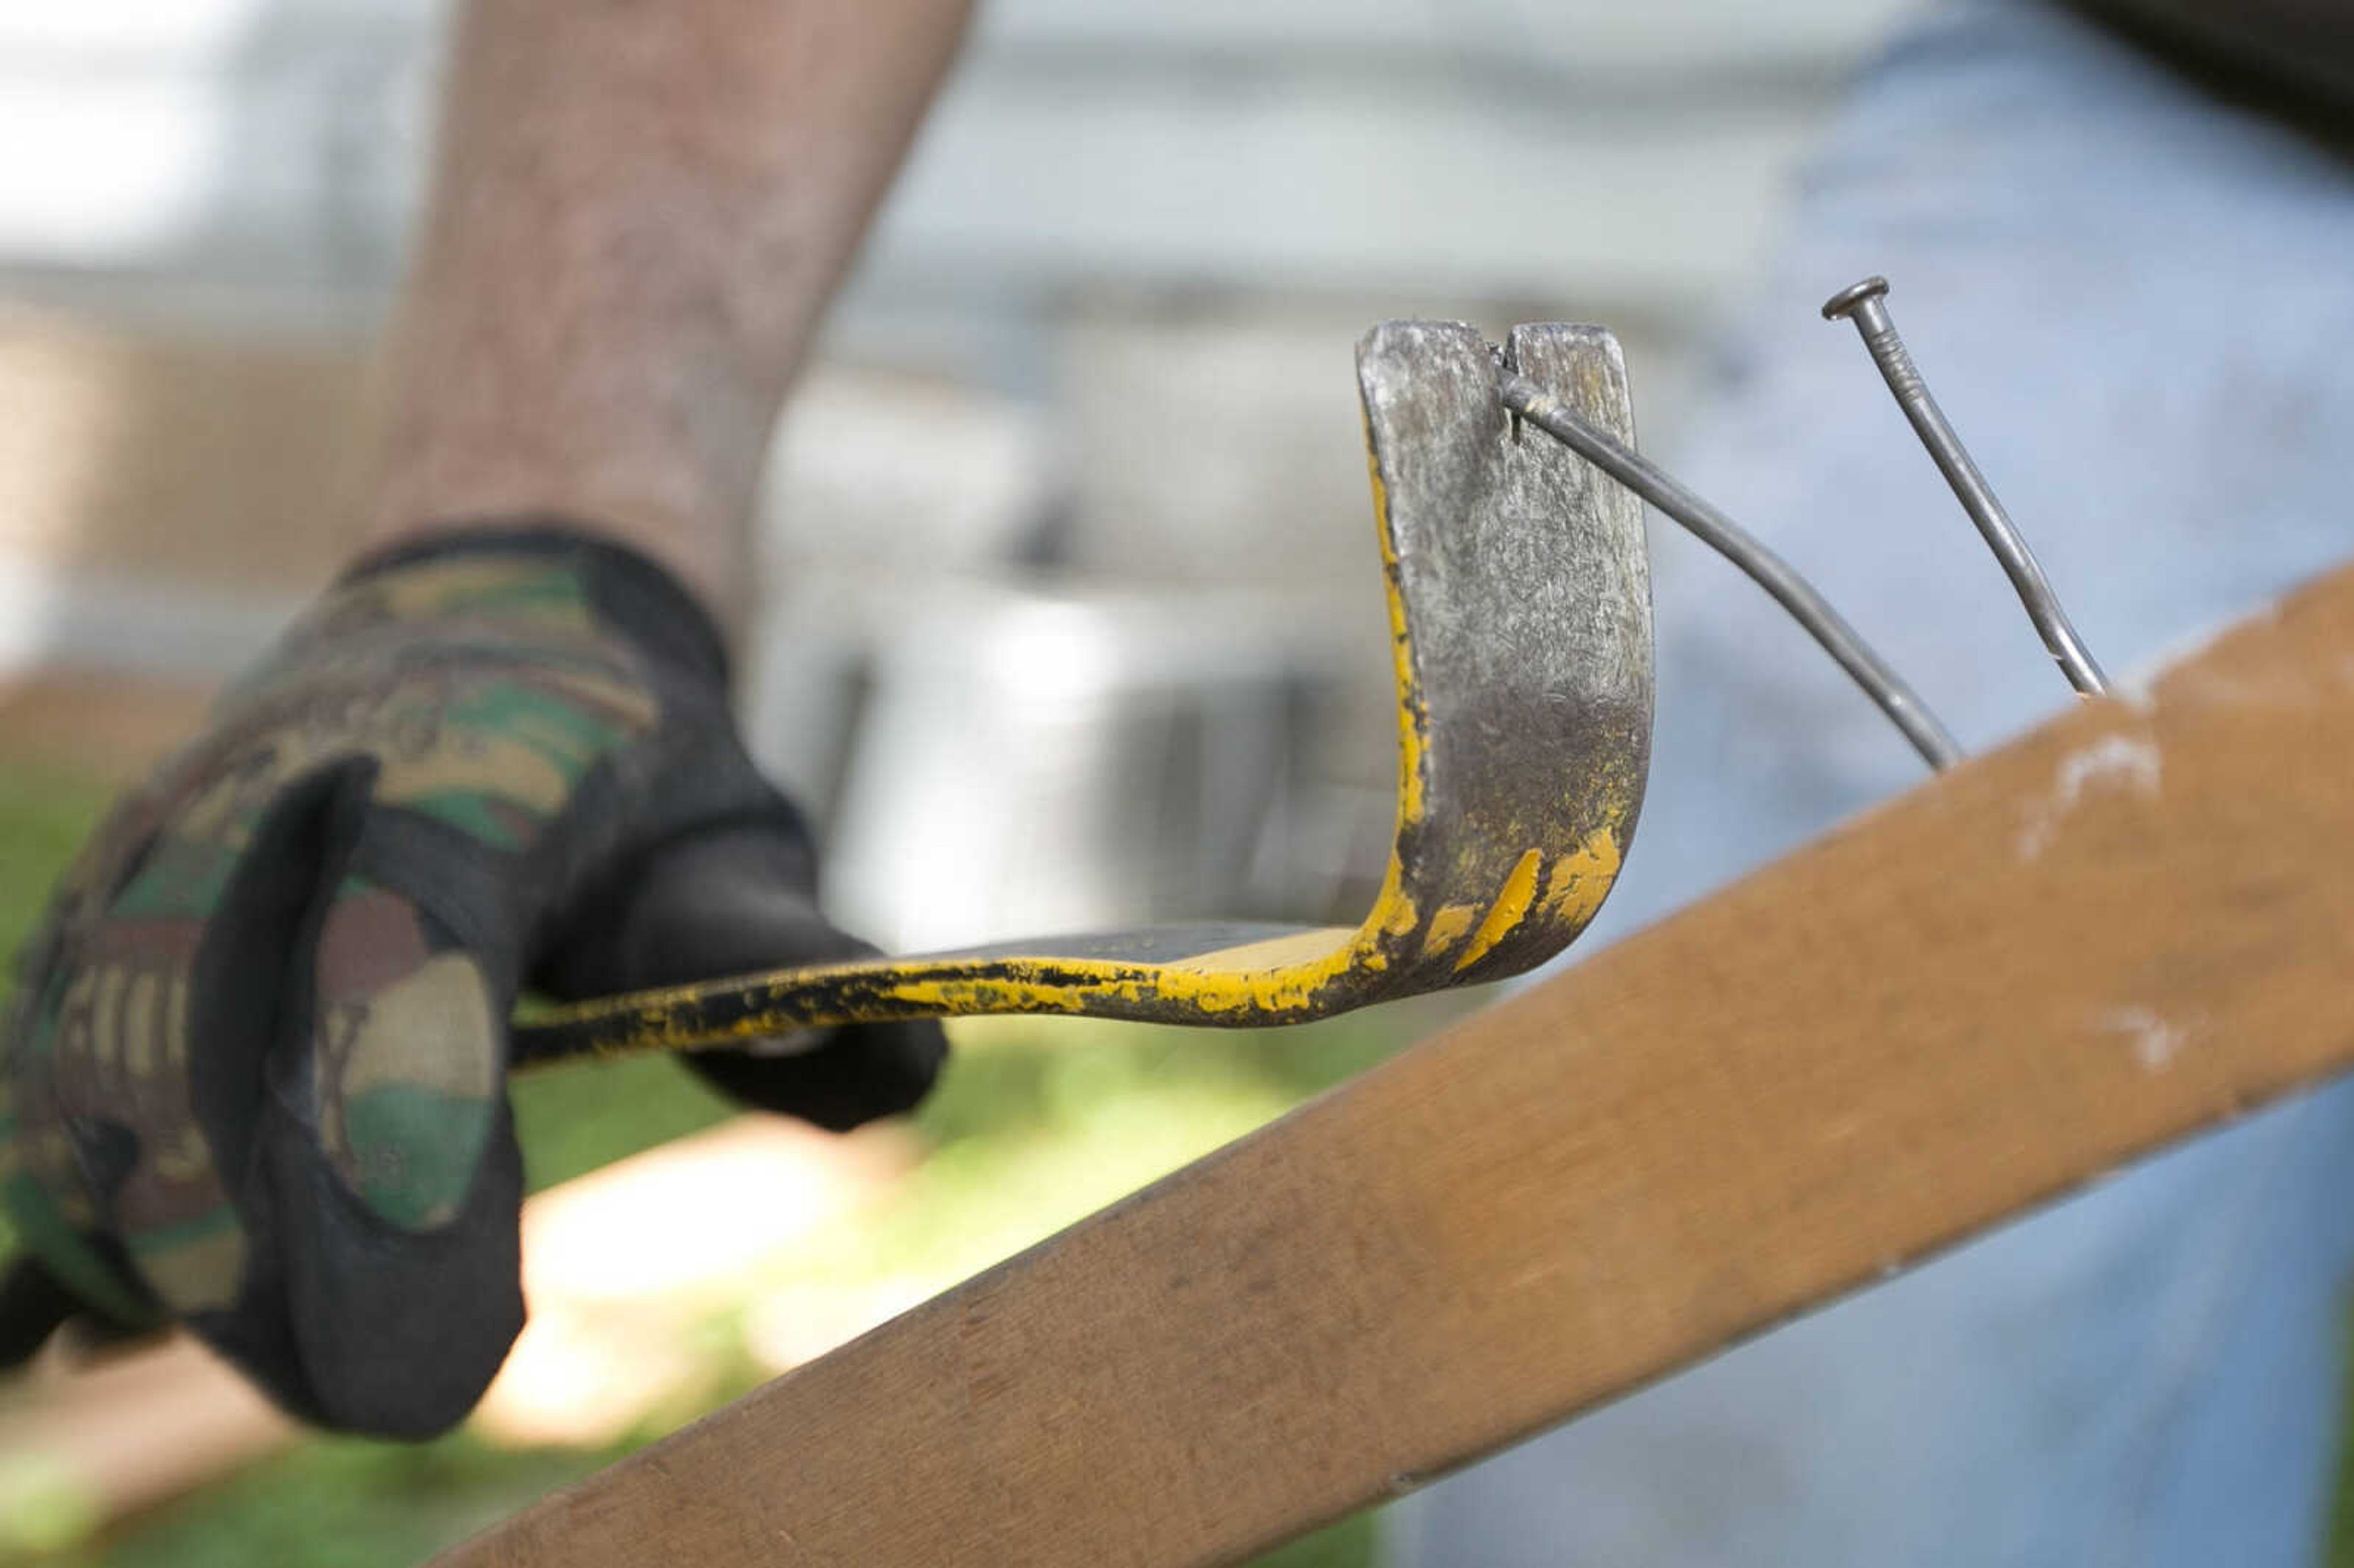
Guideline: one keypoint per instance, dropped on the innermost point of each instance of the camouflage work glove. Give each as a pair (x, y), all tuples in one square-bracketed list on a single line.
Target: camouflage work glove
[(255, 1059)]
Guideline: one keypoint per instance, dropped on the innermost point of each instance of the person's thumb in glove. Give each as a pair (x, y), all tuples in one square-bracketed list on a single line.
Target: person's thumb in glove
[(735, 900)]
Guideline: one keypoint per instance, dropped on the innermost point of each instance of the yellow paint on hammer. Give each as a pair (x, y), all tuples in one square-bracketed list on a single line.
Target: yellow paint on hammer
[(1287, 951), (1579, 882), (1446, 928), (1512, 901)]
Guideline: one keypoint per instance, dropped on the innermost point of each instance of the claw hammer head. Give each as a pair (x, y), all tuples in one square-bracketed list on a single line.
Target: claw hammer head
[(1520, 606)]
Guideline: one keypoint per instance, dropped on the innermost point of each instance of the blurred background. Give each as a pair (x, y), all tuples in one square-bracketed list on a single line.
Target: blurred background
[(1074, 612), (1079, 462)]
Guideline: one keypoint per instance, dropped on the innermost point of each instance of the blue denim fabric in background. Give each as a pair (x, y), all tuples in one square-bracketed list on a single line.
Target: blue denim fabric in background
[(2137, 303)]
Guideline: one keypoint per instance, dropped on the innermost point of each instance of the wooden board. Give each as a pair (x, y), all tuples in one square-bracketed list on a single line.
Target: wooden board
[(2132, 924)]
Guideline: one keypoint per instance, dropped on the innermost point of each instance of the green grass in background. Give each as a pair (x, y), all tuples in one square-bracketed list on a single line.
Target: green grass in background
[(44, 816), (2341, 1534)]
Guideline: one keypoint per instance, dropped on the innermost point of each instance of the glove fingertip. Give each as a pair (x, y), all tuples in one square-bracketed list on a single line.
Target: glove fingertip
[(33, 1305), (862, 1073)]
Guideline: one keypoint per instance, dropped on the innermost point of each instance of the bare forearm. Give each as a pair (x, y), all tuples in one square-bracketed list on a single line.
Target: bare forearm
[(639, 213)]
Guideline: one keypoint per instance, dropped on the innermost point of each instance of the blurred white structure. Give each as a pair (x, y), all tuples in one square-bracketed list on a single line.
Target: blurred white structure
[(1503, 150), (1099, 344)]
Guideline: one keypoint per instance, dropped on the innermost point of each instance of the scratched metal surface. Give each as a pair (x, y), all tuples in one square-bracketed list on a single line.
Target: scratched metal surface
[(1519, 599)]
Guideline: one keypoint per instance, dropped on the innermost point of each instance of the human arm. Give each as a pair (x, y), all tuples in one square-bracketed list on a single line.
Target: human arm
[(639, 212)]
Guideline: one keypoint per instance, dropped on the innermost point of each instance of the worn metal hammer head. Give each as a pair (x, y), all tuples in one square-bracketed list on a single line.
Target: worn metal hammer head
[(1519, 607)]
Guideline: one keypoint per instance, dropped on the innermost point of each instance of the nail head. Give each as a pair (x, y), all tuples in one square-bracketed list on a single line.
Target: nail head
[(1854, 294)]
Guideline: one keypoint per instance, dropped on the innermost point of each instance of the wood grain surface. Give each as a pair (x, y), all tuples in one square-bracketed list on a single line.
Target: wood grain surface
[(2133, 923)]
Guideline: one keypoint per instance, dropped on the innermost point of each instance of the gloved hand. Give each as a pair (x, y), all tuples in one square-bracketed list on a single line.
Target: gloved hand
[(256, 1059)]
